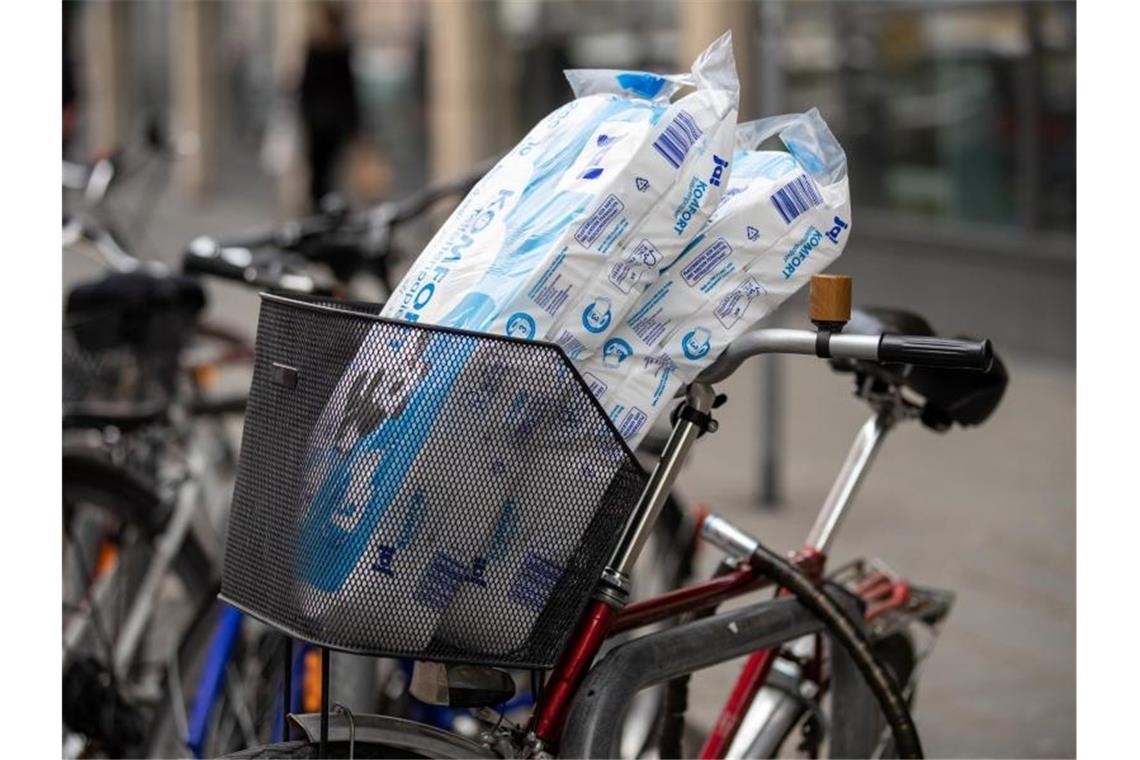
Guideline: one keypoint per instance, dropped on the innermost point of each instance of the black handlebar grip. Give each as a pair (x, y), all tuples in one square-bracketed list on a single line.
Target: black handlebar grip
[(936, 352), (202, 258)]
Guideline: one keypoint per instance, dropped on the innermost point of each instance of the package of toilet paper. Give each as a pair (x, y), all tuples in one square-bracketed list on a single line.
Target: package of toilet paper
[(674, 179), (548, 217), (784, 217)]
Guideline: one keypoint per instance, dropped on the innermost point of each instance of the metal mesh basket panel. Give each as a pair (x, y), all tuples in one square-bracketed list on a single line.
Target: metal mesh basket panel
[(409, 490), (122, 337), (99, 368)]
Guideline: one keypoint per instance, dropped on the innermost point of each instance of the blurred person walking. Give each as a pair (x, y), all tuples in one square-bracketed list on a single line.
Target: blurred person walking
[(330, 106), (70, 77)]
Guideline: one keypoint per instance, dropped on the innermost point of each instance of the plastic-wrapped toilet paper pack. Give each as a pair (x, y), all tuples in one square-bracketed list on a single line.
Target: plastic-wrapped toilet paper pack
[(784, 217), (360, 513), (524, 555), (569, 197), (673, 181), (386, 517)]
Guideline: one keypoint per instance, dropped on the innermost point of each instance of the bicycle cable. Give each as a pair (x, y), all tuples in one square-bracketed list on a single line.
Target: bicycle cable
[(852, 639)]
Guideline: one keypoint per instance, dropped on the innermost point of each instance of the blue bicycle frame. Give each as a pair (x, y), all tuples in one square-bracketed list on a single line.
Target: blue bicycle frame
[(211, 682)]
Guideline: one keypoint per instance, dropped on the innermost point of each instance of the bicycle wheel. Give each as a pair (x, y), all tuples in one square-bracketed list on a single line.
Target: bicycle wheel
[(113, 522), (793, 729)]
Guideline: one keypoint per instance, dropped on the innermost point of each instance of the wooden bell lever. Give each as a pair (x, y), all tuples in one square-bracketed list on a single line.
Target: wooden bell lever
[(830, 301)]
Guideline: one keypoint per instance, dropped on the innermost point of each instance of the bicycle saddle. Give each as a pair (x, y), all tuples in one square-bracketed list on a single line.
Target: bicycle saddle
[(951, 396), (133, 309)]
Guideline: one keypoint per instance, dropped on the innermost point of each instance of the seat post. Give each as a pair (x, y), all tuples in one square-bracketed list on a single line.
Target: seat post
[(863, 449)]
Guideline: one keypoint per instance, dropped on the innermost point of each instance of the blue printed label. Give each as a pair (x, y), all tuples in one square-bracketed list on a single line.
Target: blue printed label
[(800, 251), (615, 351), (677, 138), (440, 581), (695, 343), (689, 207), (834, 233), (521, 325), (591, 229), (796, 197), (706, 261), (733, 306), (597, 316), (632, 422), (719, 165)]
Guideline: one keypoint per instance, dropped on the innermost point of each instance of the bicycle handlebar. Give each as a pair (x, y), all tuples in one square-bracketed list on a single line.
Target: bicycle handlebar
[(885, 348), (926, 351), (367, 231), (205, 256)]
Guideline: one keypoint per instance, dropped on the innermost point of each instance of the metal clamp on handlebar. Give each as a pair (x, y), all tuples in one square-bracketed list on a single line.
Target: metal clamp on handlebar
[(703, 420)]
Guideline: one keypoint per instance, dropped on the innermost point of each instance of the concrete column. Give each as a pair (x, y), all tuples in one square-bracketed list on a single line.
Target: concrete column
[(291, 23), (470, 98), (195, 37), (107, 93), (699, 22)]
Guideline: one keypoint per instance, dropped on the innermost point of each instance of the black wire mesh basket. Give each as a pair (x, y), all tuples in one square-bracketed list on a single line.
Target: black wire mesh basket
[(418, 491)]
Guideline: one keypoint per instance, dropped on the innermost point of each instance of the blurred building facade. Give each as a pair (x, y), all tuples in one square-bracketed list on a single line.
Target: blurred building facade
[(959, 118)]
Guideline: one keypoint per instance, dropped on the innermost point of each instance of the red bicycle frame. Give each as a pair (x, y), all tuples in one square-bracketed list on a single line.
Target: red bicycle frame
[(605, 616), (602, 621)]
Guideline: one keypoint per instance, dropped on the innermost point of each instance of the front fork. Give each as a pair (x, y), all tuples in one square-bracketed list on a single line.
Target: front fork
[(694, 418)]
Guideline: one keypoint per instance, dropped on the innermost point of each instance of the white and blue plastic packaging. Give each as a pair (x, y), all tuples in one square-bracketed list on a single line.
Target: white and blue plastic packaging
[(785, 216), (565, 202)]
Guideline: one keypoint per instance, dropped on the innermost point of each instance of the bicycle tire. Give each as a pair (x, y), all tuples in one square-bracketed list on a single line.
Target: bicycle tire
[(93, 484), (896, 651), (87, 473)]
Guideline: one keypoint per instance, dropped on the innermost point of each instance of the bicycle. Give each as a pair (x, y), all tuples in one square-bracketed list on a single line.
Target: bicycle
[(282, 259), (580, 704), (364, 242), (145, 462)]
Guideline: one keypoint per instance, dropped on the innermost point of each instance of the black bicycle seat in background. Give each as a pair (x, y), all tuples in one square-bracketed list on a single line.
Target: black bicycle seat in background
[(137, 309), (965, 397)]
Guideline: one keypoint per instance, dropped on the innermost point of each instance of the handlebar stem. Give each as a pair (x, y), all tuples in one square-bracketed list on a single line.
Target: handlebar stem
[(701, 398)]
